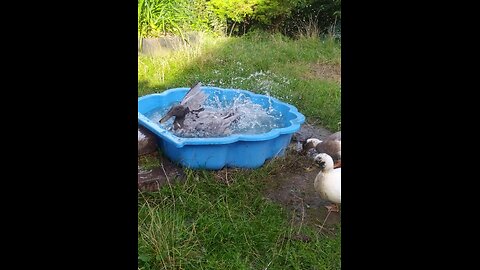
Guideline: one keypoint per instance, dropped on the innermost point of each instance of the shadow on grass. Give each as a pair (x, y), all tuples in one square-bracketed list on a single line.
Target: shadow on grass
[(144, 84)]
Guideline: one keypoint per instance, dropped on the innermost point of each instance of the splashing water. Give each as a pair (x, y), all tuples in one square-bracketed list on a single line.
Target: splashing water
[(260, 81), (250, 117), (141, 136)]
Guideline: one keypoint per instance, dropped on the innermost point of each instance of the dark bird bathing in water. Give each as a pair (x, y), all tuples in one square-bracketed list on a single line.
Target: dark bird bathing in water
[(191, 103), (191, 117)]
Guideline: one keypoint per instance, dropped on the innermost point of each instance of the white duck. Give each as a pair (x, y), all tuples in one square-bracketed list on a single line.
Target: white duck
[(328, 181)]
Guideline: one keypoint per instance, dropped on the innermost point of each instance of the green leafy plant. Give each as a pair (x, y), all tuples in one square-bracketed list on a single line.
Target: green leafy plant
[(166, 17), (162, 17), (234, 10)]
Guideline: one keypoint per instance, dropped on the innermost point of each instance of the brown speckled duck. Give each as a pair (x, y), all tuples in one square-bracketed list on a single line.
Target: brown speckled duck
[(332, 146)]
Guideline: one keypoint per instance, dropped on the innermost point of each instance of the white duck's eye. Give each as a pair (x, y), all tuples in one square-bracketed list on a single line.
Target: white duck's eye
[(320, 161)]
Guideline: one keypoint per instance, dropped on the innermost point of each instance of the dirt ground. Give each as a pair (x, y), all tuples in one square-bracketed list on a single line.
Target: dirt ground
[(293, 188), (152, 179), (295, 192), (324, 71)]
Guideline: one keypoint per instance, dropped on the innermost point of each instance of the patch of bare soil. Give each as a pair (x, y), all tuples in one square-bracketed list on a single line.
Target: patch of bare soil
[(324, 71), (310, 131), (153, 179), (293, 189)]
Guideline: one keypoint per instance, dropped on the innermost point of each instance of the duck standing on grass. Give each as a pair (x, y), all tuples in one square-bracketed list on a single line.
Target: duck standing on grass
[(328, 182), (331, 146)]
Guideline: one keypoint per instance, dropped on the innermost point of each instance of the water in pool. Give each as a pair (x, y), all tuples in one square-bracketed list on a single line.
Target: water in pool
[(251, 118)]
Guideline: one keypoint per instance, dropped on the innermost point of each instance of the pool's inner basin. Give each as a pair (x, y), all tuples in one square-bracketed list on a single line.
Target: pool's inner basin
[(248, 117)]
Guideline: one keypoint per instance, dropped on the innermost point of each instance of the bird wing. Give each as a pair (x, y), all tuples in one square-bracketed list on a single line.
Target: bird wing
[(337, 136), (194, 98), (330, 147), (210, 122)]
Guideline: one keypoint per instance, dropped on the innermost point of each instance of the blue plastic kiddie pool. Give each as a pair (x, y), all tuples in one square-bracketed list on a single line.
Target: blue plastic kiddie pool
[(237, 150)]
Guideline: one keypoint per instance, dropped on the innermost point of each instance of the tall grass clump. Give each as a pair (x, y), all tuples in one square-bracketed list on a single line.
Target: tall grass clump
[(162, 17)]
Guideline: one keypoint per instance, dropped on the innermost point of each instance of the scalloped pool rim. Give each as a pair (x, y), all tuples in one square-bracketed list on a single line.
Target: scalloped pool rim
[(179, 142)]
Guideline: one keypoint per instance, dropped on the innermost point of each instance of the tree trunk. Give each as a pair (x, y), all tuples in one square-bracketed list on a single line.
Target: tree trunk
[(231, 30)]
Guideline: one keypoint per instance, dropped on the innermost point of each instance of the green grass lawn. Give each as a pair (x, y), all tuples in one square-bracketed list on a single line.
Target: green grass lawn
[(205, 223), (290, 70)]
